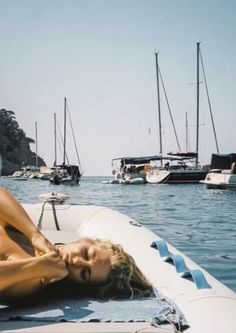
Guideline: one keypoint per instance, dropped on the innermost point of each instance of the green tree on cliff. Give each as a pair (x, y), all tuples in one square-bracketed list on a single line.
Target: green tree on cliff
[(14, 145)]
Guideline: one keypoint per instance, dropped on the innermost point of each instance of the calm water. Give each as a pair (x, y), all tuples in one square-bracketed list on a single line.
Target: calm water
[(197, 221)]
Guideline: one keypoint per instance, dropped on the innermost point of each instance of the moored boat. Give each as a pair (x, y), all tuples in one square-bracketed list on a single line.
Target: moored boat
[(65, 173), (188, 169), (131, 170), (178, 168), (222, 174)]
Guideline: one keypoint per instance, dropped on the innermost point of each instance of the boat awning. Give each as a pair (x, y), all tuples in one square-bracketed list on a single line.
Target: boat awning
[(138, 160), (186, 155), (144, 159), (222, 161)]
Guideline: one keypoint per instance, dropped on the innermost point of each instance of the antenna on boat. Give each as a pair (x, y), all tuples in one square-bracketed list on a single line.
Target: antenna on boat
[(158, 104)]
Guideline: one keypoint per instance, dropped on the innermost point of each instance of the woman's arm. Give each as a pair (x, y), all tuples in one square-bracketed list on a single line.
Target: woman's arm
[(18, 276), (13, 214)]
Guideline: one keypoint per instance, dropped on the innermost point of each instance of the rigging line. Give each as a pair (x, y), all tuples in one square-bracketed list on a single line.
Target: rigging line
[(61, 142), (209, 103), (55, 215), (39, 225), (73, 135), (169, 109)]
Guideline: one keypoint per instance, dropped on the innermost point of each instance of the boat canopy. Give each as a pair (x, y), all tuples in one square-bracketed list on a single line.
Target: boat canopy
[(138, 160), (222, 161), (186, 155), (143, 159)]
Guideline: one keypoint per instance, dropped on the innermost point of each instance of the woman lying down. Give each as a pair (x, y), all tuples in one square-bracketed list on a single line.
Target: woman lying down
[(29, 262)]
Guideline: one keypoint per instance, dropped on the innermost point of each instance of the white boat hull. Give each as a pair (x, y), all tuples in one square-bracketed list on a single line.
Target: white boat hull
[(190, 175), (208, 310), (225, 180)]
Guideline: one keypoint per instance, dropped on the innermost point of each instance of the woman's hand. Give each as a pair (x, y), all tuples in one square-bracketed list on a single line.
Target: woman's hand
[(70, 253), (52, 268), (41, 244)]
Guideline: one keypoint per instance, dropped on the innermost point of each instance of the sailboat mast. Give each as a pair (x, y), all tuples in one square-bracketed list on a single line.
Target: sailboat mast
[(159, 105), (197, 123), (64, 154), (36, 144), (55, 139), (186, 126)]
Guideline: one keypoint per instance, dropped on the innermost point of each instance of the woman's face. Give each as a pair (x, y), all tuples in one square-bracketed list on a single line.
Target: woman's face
[(88, 263)]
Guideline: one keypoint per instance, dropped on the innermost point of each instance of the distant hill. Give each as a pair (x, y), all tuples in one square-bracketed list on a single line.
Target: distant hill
[(15, 149)]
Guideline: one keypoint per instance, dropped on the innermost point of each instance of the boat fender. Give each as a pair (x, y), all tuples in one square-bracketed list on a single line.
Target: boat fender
[(178, 261), (59, 198)]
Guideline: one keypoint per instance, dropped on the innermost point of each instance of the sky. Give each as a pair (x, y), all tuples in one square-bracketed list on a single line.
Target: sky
[(100, 55)]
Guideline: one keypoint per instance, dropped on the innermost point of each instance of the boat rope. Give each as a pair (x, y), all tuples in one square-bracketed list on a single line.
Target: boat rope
[(209, 102), (39, 225), (169, 109), (53, 199), (73, 135), (55, 215)]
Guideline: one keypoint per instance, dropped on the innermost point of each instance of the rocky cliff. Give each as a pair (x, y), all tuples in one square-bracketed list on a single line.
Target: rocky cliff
[(15, 149)]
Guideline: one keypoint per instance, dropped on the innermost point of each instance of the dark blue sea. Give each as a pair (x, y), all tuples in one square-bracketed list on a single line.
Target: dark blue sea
[(197, 221)]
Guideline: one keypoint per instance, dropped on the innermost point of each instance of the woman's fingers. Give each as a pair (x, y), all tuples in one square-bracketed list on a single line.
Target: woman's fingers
[(54, 269)]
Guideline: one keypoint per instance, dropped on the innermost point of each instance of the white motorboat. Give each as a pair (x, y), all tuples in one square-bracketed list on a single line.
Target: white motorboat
[(207, 305), (223, 172), (220, 179)]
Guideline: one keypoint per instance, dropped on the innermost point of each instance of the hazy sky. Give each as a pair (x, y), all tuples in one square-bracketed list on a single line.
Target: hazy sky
[(100, 55)]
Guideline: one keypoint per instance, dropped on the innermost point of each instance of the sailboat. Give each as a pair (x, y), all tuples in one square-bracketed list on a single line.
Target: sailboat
[(180, 167), (65, 173)]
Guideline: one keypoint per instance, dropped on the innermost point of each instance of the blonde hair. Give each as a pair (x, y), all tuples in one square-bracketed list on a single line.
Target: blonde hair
[(126, 280)]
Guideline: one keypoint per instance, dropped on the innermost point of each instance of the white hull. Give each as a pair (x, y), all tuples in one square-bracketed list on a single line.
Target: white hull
[(157, 176), (210, 310), (188, 175), (221, 180)]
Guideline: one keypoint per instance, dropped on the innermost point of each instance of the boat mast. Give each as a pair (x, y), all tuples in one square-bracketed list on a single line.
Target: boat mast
[(55, 139), (64, 155), (186, 126), (197, 124), (159, 106), (36, 144)]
